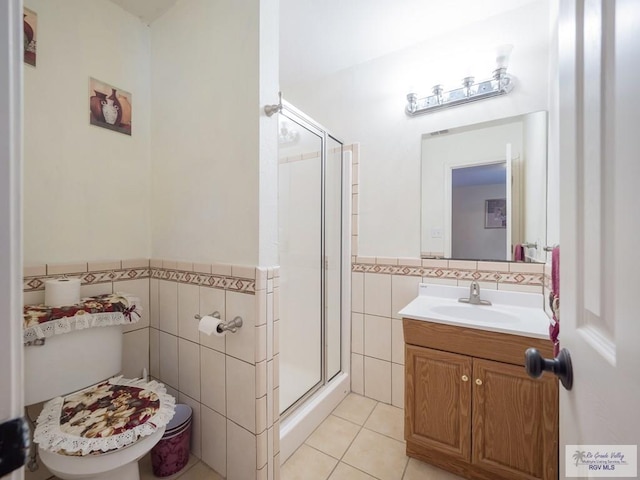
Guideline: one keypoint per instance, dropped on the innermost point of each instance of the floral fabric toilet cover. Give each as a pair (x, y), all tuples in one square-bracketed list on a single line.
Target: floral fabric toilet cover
[(107, 416), (41, 321)]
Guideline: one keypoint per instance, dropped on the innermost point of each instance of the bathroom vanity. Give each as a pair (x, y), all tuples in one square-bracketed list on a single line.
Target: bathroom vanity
[(470, 407)]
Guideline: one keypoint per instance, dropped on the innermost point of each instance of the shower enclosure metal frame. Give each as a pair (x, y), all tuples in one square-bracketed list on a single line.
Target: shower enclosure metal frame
[(302, 417)]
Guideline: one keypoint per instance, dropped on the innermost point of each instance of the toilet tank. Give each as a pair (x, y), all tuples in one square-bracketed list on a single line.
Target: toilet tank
[(71, 361)]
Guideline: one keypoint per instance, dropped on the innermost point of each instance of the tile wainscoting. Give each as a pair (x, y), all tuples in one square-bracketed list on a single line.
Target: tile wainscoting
[(380, 287), (230, 382)]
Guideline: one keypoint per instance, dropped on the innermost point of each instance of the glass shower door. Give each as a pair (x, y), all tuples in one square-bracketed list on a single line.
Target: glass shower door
[(333, 256), (301, 263)]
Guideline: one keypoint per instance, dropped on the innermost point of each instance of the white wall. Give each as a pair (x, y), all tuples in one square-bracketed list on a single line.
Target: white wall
[(86, 188), (205, 144), (366, 104), (469, 238)]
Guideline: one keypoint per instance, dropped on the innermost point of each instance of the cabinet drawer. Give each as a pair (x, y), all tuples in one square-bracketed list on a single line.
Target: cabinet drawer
[(500, 347)]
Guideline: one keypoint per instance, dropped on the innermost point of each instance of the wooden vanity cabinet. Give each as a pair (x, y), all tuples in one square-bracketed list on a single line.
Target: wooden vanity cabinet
[(470, 407)]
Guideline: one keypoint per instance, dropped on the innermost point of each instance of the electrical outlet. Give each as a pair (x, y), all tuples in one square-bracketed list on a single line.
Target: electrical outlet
[(436, 232)]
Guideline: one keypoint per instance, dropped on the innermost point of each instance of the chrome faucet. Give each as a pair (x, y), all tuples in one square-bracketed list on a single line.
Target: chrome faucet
[(474, 295)]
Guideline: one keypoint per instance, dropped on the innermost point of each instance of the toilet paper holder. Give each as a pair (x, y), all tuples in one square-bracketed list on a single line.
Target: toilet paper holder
[(231, 326)]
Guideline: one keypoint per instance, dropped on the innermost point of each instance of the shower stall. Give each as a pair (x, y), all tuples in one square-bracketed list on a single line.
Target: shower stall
[(313, 221)]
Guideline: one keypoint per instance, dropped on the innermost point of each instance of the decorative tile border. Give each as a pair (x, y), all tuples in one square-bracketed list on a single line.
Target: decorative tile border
[(222, 282), (451, 272)]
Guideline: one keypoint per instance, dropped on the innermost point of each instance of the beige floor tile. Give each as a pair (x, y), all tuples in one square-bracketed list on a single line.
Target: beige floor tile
[(378, 455), (355, 408), (417, 470), (333, 436), (200, 471), (347, 472), (387, 420), (307, 464)]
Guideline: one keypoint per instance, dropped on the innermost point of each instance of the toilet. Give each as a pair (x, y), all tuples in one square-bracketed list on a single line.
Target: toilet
[(103, 429)]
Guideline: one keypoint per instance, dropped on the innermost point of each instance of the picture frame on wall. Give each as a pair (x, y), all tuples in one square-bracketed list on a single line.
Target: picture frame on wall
[(109, 107), (30, 28), (495, 213)]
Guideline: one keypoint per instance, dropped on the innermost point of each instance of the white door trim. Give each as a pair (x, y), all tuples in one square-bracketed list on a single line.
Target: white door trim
[(11, 375)]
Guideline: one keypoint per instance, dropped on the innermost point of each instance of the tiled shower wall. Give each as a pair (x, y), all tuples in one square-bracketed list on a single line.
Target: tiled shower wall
[(231, 382), (383, 286)]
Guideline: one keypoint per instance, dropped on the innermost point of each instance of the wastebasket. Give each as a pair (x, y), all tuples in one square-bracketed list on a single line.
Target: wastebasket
[(171, 453)]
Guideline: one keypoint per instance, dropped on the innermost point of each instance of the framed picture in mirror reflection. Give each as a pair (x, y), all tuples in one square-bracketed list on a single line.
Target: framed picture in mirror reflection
[(495, 213)]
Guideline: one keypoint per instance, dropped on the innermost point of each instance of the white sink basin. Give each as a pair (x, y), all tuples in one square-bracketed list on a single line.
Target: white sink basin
[(510, 312), (475, 313)]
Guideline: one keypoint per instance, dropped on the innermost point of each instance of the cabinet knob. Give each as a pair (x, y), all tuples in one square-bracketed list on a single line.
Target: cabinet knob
[(465, 378), (478, 381)]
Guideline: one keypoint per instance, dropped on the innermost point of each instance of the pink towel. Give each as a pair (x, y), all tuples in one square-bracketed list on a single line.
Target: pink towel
[(518, 253), (555, 271), (554, 299)]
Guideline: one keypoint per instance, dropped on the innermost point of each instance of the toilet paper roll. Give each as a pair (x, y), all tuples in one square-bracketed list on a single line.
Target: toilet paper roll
[(60, 292), (209, 325)]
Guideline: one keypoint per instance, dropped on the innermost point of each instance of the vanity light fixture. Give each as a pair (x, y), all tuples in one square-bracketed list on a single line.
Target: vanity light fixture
[(499, 84)]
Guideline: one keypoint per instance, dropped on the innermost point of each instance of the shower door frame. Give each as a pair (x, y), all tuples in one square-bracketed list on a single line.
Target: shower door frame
[(297, 116)]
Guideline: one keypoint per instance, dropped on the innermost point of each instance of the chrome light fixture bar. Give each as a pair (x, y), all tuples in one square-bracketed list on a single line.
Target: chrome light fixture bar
[(471, 91)]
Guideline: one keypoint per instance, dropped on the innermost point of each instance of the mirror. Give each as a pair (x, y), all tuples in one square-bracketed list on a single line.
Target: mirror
[(469, 210)]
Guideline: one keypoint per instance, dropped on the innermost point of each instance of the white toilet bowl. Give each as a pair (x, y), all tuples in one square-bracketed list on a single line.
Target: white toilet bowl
[(121, 464), (101, 432)]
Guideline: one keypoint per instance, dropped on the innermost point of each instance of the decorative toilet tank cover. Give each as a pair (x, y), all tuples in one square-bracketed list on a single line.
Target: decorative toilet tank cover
[(105, 417), (40, 321)]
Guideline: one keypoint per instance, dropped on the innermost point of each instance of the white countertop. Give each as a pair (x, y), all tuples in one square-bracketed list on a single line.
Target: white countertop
[(514, 313)]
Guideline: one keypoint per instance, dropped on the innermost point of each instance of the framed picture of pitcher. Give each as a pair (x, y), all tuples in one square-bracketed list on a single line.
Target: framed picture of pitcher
[(109, 107)]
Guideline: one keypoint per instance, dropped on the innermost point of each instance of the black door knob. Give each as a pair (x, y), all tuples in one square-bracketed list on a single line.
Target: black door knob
[(535, 365)]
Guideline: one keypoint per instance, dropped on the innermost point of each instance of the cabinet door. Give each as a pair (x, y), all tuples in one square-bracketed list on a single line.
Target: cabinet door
[(438, 401), (515, 421)]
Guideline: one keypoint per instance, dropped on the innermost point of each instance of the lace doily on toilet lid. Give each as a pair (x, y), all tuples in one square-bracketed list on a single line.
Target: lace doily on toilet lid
[(40, 321), (107, 416)]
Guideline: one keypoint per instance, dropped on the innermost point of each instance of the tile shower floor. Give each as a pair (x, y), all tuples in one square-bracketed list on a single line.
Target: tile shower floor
[(361, 440)]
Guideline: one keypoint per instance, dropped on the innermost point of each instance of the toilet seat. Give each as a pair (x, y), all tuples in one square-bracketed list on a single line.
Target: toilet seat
[(103, 418)]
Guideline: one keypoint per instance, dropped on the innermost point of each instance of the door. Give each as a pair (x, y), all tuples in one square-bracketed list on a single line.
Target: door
[(515, 422), (11, 401), (438, 401), (301, 264), (333, 257), (599, 224), (310, 233)]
